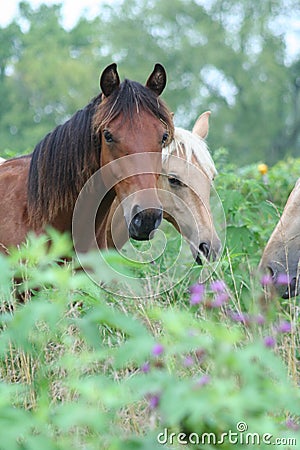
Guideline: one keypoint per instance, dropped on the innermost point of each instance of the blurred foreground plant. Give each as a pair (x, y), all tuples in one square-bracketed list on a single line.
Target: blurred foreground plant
[(79, 372)]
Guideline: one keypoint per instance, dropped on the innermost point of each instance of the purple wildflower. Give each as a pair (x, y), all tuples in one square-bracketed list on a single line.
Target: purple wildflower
[(153, 401), (157, 350), (197, 293), (188, 361), (145, 367), (269, 341), (239, 317), (283, 279), (197, 288), (292, 425), (220, 299), (266, 280), (204, 380), (218, 286), (284, 327), (195, 299), (259, 319)]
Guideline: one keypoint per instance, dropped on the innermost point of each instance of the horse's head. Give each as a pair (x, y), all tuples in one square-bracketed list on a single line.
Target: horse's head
[(281, 257), (188, 171), (134, 125)]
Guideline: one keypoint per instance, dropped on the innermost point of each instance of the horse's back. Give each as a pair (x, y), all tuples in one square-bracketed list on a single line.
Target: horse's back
[(13, 201)]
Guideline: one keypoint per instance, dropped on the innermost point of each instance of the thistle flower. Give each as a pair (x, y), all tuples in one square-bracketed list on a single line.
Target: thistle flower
[(284, 327), (239, 317), (157, 350), (220, 299), (292, 425), (203, 381), (188, 361), (153, 400), (269, 341), (259, 319), (283, 279), (145, 367), (218, 286), (266, 280), (197, 292)]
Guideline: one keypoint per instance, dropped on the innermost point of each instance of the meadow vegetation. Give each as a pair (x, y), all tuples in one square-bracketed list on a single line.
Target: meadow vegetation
[(84, 368)]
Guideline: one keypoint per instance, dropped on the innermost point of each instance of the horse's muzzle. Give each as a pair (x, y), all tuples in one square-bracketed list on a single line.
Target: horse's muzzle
[(287, 289), (144, 222), (291, 290)]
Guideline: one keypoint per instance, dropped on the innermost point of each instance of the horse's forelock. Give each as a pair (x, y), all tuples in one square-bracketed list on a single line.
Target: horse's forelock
[(191, 145), (130, 99)]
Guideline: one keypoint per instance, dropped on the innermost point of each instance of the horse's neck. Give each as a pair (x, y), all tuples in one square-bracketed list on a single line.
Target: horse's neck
[(113, 232), (63, 221)]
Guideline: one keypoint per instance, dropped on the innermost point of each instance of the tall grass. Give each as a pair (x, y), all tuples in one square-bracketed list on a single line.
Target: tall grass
[(82, 367)]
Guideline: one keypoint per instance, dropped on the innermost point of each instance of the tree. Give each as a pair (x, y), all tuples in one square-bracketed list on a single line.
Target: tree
[(48, 76), (228, 56)]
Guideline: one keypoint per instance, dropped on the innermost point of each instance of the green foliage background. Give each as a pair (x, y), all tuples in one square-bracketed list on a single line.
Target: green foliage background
[(226, 56)]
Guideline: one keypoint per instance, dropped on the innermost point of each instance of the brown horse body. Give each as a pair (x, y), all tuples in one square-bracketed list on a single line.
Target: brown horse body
[(124, 119)]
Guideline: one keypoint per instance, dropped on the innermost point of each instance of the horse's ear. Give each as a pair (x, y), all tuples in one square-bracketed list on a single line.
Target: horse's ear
[(109, 80), (201, 126), (157, 80)]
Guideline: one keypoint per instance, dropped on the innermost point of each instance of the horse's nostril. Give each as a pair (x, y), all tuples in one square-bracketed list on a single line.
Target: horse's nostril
[(204, 248), (158, 220), (144, 222)]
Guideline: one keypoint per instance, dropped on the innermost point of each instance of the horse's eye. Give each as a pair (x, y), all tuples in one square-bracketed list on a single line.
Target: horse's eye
[(165, 137), (174, 182), (107, 136)]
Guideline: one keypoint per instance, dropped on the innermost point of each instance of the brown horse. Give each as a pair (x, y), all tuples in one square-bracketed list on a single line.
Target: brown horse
[(281, 256), (126, 118), (184, 190)]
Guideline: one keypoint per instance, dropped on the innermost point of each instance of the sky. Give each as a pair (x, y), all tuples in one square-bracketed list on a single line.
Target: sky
[(71, 10)]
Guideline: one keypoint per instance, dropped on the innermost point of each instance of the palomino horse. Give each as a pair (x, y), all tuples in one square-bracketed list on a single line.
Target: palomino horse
[(282, 252), (124, 119), (184, 190)]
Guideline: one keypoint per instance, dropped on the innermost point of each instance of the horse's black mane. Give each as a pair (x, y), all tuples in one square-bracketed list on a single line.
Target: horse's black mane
[(68, 156)]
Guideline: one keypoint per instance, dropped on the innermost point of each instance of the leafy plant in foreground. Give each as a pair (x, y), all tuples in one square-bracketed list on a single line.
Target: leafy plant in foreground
[(77, 372)]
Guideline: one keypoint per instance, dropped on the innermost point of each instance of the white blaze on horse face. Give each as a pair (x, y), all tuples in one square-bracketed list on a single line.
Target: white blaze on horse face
[(188, 161), (185, 195), (282, 252)]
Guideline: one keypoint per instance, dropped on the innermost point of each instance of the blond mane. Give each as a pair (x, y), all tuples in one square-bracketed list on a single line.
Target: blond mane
[(191, 145)]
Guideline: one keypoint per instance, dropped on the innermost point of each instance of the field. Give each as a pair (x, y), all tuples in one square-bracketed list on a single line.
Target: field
[(158, 361)]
